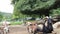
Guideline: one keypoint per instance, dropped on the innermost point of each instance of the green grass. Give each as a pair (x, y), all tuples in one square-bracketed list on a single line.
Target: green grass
[(16, 23), (30, 20)]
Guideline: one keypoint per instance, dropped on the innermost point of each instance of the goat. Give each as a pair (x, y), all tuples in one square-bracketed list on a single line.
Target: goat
[(56, 25)]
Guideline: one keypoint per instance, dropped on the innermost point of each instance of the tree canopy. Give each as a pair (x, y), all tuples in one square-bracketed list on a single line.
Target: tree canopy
[(34, 7)]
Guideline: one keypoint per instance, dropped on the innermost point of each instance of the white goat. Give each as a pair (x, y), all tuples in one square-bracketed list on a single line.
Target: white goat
[(56, 25)]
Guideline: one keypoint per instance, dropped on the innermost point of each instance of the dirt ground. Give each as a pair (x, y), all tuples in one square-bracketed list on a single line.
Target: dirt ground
[(18, 30), (22, 30)]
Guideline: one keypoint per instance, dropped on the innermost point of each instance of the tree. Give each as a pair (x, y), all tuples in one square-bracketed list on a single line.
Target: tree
[(34, 7), (1, 16), (55, 11)]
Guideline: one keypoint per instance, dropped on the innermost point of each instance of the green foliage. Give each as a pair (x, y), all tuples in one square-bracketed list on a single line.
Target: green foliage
[(32, 5), (1, 16), (5, 15), (14, 2), (34, 8), (16, 23), (55, 11)]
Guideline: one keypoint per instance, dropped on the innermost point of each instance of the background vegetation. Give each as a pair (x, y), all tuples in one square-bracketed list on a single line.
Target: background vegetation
[(35, 8), (32, 8)]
